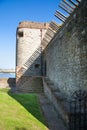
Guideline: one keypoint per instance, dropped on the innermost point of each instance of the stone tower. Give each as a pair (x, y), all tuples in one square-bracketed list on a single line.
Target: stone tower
[(28, 50)]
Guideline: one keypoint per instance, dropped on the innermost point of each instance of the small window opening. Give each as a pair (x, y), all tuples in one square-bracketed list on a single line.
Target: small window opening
[(37, 66), (20, 34)]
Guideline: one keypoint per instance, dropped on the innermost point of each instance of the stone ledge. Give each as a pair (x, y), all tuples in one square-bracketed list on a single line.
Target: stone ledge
[(29, 24)]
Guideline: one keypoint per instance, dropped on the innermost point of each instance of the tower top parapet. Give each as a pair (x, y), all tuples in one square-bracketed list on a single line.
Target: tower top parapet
[(29, 24)]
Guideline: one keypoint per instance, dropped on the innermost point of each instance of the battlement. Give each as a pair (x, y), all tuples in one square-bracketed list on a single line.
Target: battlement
[(29, 24)]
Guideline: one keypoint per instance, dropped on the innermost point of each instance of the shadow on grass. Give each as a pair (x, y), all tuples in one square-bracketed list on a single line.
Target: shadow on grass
[(31, 103)]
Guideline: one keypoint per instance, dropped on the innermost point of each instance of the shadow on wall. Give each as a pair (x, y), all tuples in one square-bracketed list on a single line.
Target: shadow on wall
[(30, 73), (32, 67), (12, 83)]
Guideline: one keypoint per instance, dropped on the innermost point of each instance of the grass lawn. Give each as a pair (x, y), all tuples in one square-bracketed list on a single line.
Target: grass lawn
[(20, 112)]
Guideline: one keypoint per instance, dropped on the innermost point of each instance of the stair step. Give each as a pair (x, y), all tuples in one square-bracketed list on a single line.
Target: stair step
[(61, 106), (53, 120), (59, 96), (58, 100), (53, 88)]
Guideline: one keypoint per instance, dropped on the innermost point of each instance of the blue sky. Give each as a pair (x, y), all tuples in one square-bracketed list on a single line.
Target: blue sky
[(14, 11)]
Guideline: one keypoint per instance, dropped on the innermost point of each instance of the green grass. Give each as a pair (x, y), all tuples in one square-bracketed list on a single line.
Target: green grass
[(20, 112)]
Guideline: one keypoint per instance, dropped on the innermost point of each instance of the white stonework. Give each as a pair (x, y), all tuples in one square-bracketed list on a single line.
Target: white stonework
[(28, 48), (28, 44)]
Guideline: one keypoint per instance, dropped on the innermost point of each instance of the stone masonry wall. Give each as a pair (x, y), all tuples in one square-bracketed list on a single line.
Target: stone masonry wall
[(28, 84), (27, 44), (28, 52), (28, 55), (66, 54)]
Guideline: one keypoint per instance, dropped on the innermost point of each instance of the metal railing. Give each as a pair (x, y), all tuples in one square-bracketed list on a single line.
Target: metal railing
[(78, 111)]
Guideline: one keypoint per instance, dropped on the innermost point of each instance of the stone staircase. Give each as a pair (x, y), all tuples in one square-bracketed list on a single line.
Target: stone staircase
[(53, 121), (58, 100), (35, 55), (28, 76), (28, 67), (28, 84)]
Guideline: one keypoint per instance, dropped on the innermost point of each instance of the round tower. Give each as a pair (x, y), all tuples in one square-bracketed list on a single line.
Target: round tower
[(28, 48)]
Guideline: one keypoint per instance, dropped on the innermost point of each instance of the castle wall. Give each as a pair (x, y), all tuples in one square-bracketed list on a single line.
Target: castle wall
[(27, 44), (29, 84), (28, 52), (66, 54)]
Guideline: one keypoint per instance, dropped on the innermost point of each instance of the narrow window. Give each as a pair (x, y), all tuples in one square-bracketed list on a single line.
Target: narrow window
[(20, 34), (37, 66)]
